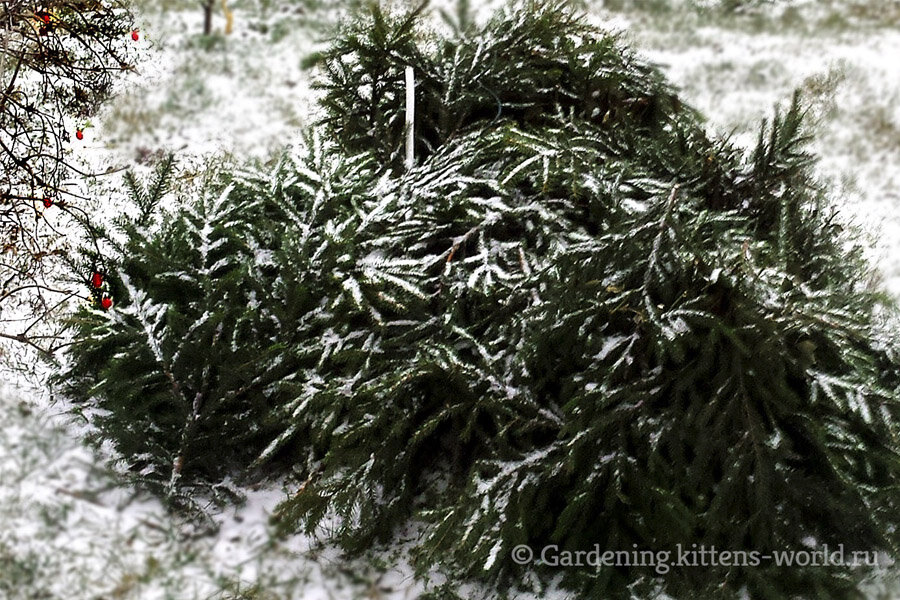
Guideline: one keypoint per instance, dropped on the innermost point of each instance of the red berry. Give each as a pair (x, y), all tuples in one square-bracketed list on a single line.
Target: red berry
[(134, 35), (79, 134), (48, 202), (96, 280), (106, 302)]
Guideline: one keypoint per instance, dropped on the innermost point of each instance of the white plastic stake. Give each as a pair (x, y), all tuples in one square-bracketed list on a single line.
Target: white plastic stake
[(410, 118)]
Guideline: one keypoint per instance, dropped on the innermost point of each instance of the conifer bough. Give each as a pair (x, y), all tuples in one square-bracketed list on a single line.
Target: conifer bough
[(576, 320)]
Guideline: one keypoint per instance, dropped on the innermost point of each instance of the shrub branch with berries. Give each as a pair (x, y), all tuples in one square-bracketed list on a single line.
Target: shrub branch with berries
[(58, 62)]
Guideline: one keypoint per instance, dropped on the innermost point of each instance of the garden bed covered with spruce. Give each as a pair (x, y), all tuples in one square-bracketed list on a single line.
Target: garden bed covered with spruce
[(577, 319)]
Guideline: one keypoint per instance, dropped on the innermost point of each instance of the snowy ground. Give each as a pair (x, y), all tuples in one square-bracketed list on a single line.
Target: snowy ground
[(70, 530)]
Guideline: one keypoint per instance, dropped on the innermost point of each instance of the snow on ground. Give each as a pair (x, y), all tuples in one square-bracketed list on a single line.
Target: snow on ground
[(237, 94), (71, 530)]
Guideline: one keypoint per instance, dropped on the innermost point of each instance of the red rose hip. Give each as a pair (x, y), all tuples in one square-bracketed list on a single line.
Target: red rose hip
[(134, 35), (106, 302), (96, 280), (79, 133)]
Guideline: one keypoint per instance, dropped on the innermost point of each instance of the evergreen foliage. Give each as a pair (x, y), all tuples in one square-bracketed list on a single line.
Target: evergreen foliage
[(576, 320)]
